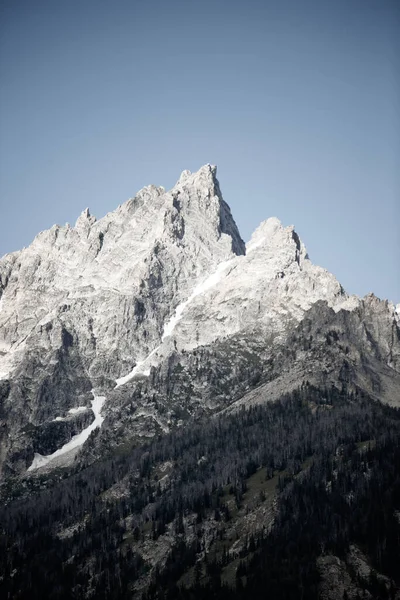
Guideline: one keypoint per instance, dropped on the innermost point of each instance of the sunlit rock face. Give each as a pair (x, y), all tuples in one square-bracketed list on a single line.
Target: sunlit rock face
[(110, 306), (112, 283)]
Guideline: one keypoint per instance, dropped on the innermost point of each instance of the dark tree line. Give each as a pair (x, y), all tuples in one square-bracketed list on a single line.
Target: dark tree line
[(345, 496)]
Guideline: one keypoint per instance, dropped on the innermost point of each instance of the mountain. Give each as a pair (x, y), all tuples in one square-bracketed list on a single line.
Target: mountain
[(118, 337)]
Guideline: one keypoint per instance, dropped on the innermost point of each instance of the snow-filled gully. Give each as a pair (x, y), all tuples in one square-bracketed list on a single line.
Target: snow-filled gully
[(169, 327), (77, 440)]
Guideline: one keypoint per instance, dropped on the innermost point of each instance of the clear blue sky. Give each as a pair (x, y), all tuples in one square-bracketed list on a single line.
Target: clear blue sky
[(297, 102)]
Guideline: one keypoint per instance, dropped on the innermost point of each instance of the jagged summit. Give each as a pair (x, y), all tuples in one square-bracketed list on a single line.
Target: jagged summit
[(206, 171), (155, 247), (85, 220), (271, 233)]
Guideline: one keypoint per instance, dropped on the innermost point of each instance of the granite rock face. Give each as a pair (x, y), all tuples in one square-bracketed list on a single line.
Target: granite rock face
[(162, 286)]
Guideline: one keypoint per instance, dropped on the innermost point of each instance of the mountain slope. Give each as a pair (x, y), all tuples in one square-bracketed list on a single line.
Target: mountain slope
[(298, 494)]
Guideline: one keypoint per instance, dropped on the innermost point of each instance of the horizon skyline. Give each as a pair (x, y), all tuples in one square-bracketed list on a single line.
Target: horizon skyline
[(245, 239), (298, 106)]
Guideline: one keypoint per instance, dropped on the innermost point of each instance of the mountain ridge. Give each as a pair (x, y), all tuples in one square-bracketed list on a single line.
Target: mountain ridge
[(112, 305)]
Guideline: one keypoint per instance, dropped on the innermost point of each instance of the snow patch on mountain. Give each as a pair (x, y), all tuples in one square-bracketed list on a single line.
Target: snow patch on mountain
[(77, 440), (78, 409), (169, 327), (137, 370), (350, 303), (203, 287), (72, 411)]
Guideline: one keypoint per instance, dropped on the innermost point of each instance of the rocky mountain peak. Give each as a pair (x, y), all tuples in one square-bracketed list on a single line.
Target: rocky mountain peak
[(136, 264), (206, 173), (197, 196), (85, 220), (281, 244)]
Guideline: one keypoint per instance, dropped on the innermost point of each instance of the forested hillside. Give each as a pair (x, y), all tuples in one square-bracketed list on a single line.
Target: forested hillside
[(252, 504)]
